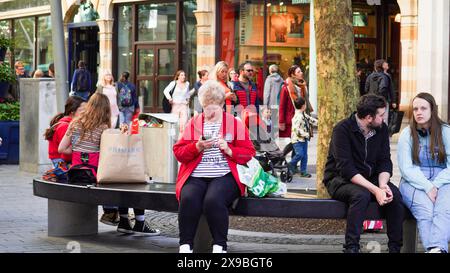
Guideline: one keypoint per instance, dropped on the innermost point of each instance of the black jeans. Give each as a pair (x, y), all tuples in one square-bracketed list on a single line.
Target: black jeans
[(211, 197), (358, 198)]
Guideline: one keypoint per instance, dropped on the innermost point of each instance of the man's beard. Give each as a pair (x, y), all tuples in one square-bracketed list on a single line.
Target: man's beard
[(372, 126)]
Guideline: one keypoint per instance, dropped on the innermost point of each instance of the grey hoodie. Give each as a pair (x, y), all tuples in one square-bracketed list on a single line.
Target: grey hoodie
[(272, 88)]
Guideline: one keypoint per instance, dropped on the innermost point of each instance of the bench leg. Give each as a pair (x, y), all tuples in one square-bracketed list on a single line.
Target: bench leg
[(71, 219), (409, 236), (203, 238)]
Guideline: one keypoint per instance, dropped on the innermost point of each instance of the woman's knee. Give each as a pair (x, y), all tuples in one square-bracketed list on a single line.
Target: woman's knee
[(213, 204)]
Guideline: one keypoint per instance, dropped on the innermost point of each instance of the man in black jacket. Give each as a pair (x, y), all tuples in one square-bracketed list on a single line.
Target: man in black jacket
[(380, 83), (358, 170)]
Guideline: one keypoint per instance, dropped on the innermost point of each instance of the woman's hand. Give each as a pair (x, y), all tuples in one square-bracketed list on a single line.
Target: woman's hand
[(223, 146), (432, 194), (204, 144), (171, 101), (281, 126), (123, 128), (230, 96)]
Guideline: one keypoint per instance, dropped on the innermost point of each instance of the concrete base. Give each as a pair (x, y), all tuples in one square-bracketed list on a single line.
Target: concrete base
[(203, 239), (37, 108), (409, 236), (71, 219)]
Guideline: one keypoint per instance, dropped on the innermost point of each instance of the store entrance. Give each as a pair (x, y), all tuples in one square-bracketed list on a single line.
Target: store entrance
[(84, 45), (154, 71)]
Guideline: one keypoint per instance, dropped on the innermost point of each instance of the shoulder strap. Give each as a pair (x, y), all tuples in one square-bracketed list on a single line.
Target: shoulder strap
[(173, 89)]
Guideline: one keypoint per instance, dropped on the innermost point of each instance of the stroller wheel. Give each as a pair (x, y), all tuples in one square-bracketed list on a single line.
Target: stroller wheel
[(284, 176), (289, 177)]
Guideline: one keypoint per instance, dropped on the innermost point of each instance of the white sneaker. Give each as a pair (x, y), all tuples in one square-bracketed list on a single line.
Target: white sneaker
[(186, 248), (435, 250), (218, 249)]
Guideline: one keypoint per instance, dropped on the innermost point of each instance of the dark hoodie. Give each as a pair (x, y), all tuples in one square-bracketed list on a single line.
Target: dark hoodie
[(380, 84)]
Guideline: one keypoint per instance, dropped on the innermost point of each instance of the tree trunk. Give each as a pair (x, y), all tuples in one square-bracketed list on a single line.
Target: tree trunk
[(336, 73)]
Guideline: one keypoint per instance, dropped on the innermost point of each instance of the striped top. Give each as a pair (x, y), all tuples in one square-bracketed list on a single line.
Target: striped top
[(213, 163), (90, 142)]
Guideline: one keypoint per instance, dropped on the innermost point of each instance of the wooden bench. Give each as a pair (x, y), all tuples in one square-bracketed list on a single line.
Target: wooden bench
[(73, 209)]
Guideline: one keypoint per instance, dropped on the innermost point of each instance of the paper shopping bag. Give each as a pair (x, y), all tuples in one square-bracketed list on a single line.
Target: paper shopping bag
[(121, 158)]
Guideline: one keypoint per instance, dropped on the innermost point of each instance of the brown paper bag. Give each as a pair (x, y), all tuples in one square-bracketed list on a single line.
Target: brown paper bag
[(121, 158)]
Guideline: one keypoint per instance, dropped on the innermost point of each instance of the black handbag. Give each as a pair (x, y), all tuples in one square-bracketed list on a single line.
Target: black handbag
[(395, 121), (167, 107)]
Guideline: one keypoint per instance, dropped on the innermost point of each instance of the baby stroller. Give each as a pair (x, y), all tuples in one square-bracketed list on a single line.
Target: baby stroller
[(268, 153)]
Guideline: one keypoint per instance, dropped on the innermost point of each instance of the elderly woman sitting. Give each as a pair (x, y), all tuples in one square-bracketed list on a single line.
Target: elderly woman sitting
[(209, 150)]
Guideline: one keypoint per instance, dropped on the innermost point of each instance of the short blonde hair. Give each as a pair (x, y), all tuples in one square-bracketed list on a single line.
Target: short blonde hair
[(211, 92), (38, 73)]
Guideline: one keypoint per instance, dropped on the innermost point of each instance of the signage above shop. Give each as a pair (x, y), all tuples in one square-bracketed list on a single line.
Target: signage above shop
[(295, 2)]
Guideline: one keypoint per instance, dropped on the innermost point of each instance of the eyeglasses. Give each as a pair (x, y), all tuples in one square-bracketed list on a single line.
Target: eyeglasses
[(249, 70)]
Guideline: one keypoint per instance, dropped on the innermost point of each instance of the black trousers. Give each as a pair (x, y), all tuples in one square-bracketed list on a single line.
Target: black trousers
[(358, 198), (211, 197)]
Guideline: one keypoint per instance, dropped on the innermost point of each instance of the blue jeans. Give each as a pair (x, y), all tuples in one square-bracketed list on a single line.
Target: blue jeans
[(83, 94), (126, 114), (433, 220), (301, 154)]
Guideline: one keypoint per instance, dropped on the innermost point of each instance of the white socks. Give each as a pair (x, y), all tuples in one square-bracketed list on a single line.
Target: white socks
[(186, 248)]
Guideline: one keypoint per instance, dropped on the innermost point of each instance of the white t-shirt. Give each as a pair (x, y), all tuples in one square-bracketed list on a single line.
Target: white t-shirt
[(213, 163), (179, 95)]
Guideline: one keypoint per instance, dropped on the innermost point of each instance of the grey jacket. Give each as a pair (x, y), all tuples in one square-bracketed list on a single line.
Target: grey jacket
[(272, 88)]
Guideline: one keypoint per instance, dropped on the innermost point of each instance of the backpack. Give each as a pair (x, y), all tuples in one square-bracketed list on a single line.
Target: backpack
[(84, 168), (374, 84), (82, 80), (125, 99)]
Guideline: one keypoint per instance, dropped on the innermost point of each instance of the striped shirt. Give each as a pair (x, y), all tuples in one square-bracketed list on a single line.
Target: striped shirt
[(90, 142), (213, 163)]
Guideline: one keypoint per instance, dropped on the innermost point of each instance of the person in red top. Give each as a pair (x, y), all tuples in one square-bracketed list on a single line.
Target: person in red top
[(209, 150), (58, 127), (219, 73)]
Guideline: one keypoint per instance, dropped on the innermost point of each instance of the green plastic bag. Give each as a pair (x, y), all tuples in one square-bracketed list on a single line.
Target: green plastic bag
[(258, 182)]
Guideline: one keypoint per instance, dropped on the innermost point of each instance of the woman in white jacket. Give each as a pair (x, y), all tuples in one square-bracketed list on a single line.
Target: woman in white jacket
[(177, 93)]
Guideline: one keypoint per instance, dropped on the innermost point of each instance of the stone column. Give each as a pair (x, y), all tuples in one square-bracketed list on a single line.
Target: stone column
[(433, 51), (106, 47), (206, 34), (408, 40)]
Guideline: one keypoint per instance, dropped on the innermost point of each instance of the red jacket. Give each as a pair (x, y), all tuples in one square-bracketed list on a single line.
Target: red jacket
[(287, 111), (60, 131), (186, 152)]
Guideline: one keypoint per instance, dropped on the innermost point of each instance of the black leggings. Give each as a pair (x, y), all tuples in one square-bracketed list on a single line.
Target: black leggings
[(211, 197)]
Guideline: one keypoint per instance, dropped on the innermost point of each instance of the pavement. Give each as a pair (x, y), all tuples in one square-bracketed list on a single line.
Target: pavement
[(23, 227)]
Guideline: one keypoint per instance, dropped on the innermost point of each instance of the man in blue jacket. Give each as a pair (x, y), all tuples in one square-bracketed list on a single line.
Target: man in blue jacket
[(358, 170)]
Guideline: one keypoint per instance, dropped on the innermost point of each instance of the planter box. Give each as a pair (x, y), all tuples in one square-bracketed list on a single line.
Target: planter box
[(9, 150)]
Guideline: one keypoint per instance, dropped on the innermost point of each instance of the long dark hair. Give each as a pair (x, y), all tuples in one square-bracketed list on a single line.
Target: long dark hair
[(72, 104), (435, 130)]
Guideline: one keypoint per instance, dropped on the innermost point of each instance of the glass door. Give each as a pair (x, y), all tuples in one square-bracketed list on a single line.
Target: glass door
[(155, 69)]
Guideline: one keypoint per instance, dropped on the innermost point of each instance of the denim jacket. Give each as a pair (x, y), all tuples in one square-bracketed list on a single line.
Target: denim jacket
[(430, 172)]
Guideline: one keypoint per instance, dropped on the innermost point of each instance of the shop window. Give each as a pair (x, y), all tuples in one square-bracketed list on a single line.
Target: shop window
[(157, 22), (45, 48), (189, 40), (21, 4), (287, 37), (24, 36), (125, 39)]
